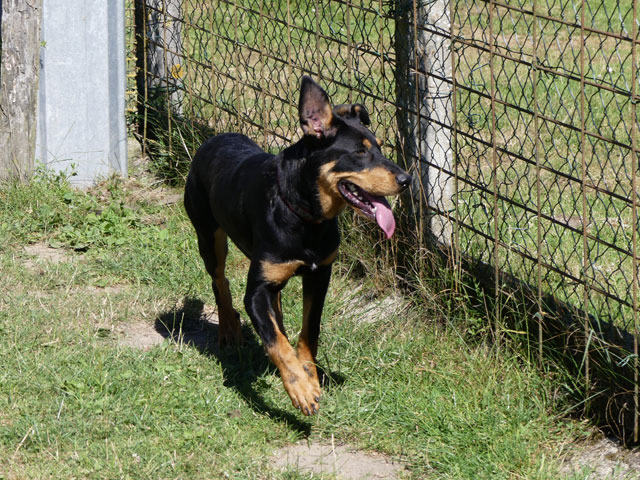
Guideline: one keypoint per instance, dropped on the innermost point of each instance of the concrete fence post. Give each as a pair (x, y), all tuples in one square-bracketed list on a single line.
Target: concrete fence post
[(81, 97), (424, 89)]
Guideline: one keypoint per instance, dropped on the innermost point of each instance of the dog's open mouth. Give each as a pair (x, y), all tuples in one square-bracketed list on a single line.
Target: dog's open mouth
[(372, 206)]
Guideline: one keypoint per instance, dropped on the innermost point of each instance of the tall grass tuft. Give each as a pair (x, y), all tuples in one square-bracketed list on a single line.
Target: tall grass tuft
[(169, 139)]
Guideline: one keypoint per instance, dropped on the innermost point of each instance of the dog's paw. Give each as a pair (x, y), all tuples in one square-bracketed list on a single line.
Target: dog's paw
[(230, 339), (304, 393), (299, 377), (229, 329)]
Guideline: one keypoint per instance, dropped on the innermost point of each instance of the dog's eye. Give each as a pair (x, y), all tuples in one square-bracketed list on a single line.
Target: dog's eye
[(362, 152)]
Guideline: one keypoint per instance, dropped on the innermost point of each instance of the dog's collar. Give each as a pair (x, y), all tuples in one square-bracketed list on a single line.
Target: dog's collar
[(300, 212)]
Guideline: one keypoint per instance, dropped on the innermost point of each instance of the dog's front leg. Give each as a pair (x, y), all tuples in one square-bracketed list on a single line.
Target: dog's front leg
[(314, 287), (259, 304)]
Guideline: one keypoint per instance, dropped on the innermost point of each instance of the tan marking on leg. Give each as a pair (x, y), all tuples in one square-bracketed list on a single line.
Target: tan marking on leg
[(278, 273), (306, 350), (302, 390), (229, 328), (308, 361), (277, 308)]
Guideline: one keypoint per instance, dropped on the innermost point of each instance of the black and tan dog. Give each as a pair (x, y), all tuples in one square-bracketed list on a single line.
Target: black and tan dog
[(281, 212)]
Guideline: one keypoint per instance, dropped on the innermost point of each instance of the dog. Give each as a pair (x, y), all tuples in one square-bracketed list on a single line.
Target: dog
[(280, 211)]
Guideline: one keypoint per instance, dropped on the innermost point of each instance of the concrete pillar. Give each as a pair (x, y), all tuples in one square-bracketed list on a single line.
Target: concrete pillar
[(81, 113)]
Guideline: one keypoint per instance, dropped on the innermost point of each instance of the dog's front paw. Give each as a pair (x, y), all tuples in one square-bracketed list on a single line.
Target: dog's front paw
[(304, 392), (299, 378)]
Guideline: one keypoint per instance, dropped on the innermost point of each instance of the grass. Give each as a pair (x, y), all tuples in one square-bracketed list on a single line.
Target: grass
[(77, 403)]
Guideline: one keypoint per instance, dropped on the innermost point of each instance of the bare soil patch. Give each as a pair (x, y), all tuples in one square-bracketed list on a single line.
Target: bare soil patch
[(191, 329), (139, 335), (341, 461), (106, 289), (605, 460), (368, 308), (41, 252)]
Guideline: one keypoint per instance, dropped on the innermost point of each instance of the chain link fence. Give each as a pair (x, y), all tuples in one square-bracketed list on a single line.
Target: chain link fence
[(517, 119), (546, 165)]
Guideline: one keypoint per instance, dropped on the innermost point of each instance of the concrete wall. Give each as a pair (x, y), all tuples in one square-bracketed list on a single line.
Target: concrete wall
[(81, 101)]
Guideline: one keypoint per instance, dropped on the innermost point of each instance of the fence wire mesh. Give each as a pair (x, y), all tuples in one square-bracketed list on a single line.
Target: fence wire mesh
[(518, 119)]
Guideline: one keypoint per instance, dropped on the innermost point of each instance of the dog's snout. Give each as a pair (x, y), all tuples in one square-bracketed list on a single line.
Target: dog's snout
[(403, 179)]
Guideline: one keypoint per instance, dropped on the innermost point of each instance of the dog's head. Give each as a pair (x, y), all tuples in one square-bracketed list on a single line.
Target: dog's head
[(352, 169)]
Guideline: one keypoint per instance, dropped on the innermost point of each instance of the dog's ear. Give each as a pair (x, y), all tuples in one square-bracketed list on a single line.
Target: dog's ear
[(355, 110), (361, 111), (315, 110)]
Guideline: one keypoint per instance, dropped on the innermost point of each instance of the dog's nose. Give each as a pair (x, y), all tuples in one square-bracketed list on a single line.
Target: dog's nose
[(403, 179)]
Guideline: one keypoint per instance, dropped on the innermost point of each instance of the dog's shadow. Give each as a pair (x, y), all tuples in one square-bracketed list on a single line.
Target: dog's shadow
[(241, 366)]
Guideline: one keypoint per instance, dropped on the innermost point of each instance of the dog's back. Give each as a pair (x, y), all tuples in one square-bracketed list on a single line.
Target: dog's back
[(223, 168), (228, 157)]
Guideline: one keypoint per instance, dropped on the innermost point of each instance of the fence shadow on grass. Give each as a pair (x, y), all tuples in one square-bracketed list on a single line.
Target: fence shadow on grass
[(241, 366), (609, 398)]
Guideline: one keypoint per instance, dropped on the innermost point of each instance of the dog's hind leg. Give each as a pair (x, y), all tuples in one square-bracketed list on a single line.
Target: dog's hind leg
[(212, 244), (229, 328)]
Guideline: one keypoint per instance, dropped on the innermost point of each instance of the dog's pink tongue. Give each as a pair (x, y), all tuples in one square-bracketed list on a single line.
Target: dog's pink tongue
[(384, 216)]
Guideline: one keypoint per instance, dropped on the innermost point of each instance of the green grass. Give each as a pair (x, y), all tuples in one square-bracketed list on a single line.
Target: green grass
[(77, 403)]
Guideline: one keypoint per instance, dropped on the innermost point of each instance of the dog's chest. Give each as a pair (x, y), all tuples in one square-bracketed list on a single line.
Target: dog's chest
[(320, 245), (284, 264)]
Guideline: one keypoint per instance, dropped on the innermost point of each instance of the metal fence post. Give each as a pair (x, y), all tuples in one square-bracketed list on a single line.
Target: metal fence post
[(424, 89)]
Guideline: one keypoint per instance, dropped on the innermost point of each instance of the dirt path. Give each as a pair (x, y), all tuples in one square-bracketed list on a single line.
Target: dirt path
[(345, 462)]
